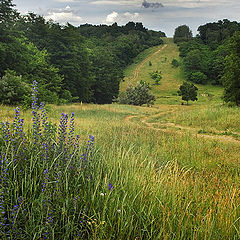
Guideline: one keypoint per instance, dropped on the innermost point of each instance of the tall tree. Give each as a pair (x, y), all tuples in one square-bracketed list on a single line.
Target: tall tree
[(69, 54), (182, 33), (8, 16), (107, 75), (7, 13), (231, 76)]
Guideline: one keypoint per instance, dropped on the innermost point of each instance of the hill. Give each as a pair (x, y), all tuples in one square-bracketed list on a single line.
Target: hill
[(161, 58), (165, 172)]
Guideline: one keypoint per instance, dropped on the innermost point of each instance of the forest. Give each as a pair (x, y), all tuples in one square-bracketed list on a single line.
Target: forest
[(212, 56), (70, 63)]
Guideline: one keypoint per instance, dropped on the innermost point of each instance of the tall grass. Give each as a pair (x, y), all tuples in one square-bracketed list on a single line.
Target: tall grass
[(130, 182), (44, 174), (220, 118)]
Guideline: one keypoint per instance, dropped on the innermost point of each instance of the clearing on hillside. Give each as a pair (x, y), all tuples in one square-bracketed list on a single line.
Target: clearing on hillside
[(166, 93)]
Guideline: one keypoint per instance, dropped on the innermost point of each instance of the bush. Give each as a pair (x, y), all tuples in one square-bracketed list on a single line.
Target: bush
[(137, 95), (198, 77), (156, 76), (13, 90), (175, 63)]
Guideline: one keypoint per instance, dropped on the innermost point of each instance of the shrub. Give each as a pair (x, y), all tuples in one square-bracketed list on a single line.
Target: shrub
[(175, 63), (156, 76), (198, 77), (13, 90), (137, 95)]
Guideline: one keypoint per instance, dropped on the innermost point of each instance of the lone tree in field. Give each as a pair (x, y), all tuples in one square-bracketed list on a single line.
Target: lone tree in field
[(188, 92)]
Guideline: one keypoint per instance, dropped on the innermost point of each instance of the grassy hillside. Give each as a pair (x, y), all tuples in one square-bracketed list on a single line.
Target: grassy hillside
[(175, 169), (166, 92)]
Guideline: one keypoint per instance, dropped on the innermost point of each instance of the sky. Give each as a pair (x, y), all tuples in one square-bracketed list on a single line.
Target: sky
[(160, 15)]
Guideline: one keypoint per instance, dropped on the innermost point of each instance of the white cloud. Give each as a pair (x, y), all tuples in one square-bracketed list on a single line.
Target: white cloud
[(121, 18), (167, 3), (131, 16), (121, 2), (195, 3), (63, 15), (111, 18), (64, 1)]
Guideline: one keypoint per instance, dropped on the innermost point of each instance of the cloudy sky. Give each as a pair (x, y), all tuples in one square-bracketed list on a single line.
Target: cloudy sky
[(164, 15)]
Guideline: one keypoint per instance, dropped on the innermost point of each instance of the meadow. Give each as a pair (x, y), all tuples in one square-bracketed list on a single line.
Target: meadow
[(144, 173)]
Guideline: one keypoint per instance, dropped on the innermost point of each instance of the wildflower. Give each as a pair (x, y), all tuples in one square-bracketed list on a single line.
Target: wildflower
[(62, 130), (119, 211), (71, 129), (102, 194), (110, 186)]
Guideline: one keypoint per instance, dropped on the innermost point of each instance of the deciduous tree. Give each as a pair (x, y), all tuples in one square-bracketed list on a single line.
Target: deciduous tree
[(231, 76), (188, 92)]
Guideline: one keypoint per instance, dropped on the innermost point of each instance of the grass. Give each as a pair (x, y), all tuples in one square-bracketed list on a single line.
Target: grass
[(166, 92), (166, 184)]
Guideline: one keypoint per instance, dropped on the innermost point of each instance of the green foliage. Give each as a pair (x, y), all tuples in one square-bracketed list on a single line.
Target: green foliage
[(150, 63), (137, 95), (205, 54), (90, 58), (214, 34), (188, 92), (86, 61), (156, 76), (7, 14), (231, 75), (13, 90), (175, 63), (182, 34), (198, 77), (66, 97), (106, 76)]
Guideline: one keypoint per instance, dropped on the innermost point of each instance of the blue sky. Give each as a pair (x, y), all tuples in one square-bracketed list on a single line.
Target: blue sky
[(164, 15)]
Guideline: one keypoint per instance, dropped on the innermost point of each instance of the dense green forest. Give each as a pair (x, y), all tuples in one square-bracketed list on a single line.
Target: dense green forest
[(213, 56), (69, 63)]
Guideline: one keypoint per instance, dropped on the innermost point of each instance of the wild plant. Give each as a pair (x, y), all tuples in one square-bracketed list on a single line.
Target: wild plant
[(42, 175)]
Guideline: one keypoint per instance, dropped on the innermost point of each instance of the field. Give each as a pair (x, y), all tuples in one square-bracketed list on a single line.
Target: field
[(171, 171)]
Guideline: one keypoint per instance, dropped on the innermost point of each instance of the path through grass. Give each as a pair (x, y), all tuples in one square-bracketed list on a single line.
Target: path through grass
[(169, 183)]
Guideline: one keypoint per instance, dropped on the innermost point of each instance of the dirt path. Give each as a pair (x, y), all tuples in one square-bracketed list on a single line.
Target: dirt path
[(169, 128), (137, 70)]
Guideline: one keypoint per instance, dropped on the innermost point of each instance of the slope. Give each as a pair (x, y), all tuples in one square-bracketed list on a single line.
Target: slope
[(166, 93)]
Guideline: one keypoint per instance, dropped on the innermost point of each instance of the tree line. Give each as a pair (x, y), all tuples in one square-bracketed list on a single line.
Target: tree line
[(213, 56), (83, 63)]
